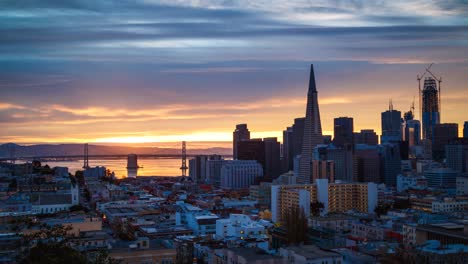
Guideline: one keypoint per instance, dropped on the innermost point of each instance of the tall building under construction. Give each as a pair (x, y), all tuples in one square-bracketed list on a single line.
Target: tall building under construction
[(430, 107)]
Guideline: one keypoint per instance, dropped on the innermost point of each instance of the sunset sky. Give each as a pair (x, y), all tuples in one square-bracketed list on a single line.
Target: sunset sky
[(170, 70)]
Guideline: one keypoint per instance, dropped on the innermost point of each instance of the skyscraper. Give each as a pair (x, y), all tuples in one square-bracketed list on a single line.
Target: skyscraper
[(391, 125), (430, 108), (343, 131), (465, 129), (412, 132), (442, 135), (288, 149), (366, 136), (456, 152), (272, 159), (252, 149), (241, 133), (391, 162), (368, 163), (298, 135), (266, 152), (411, 128), (312, 130), (345, 162)]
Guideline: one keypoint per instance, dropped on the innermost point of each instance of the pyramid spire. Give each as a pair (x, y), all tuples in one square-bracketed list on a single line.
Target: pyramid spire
[(312, 131), (312, 87)]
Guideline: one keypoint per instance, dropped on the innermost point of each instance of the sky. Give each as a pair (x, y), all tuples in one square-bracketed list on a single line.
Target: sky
[(135, 71)]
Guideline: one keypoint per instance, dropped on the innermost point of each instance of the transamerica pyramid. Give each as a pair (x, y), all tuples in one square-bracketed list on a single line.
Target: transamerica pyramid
[(312, 131)]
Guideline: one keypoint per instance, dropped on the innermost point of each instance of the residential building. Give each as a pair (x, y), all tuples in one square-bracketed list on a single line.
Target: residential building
[(336, 197)]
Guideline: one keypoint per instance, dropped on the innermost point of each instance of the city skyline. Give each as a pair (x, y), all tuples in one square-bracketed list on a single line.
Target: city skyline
[(172, 71)]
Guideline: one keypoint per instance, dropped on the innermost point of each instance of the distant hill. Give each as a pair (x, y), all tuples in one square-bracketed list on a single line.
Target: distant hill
[(6, 150)]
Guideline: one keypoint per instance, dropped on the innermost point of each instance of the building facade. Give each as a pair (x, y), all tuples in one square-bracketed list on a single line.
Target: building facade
[(240, 133), (312, 130), (240, 174)]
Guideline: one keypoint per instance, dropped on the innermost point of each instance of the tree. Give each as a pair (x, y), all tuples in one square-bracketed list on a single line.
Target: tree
[(49, 245), (78, 207), (315, 208), (382, 209), (80, 177), (296, 225), (53, 253), (102, 257)]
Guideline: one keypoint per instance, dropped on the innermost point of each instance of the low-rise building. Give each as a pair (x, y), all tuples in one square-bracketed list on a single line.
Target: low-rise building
[(309, 254), (202, 222), (462, 185), (446, 233), (239, 226), (244, 256), (337, 223), (142, 251), (405, 182), (448, 205)]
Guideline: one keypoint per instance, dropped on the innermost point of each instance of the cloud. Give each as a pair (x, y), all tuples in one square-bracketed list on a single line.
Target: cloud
[(173, 65), (4, 106)]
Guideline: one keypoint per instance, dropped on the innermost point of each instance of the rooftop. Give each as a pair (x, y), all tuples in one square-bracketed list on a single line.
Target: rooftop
[(312, 252)]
